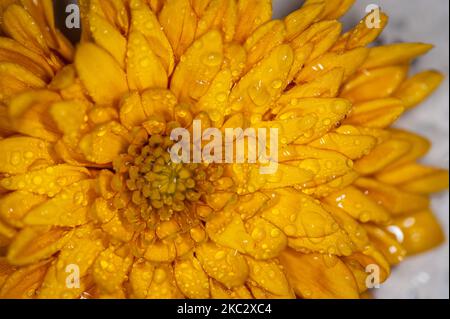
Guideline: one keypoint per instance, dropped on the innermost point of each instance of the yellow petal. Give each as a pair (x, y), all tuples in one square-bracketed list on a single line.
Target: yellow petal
[(191, 278), (235, 58), (359, 261), (215, 101), (68, 208), (118, 228), (267, 245), (358, 205), (140, 279), (354, 146), (28, 114), (110, 270), (322, 35), (417, 88), (18, 154), (421, 231), (419, 146), (218, 14), (32, 245), (179, 22), (326, 86), (299, 20), (375, 83), (218, 291), (251, 14), (416, 178), (15, 78), (145, 21), (349, 60), (81, 251), (104, 143), (19, 25), (108, 37), (15, 205), (13, 51), (394, 54), (163, 285), (382, 155), (333, 8), (102, 76), (379, 113), (259, 88), (322, 114), (386, 243), (352, 227), (6, 128), (5, 269), (263, 40), (361, 35), (309, 220), (325, 165), (24, 282), (228, 230), (269, 276), (161, 251), (48, 181), (70, 118), (319, 276), (131, 111), (324, 190), (144, 68), (198, 67), (223, 264), (393, 199)]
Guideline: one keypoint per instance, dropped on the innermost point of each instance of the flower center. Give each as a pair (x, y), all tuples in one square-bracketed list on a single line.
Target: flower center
[(159, 185)]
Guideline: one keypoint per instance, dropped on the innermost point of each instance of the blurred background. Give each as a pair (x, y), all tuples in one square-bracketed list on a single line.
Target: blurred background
[(426, 275)]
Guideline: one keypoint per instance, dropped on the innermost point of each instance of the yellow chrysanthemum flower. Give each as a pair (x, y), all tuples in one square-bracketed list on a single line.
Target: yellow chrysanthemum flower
[(86, 178)]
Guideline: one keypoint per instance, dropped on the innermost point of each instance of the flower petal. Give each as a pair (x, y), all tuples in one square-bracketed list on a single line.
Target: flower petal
[(350, 60), (375, 83), (32, 245), (179, 22), (393, 199), (358, 205), (163, 285), (24, 282), (68, 208), (144, 69), (269, 276), (251, 14), (394, 54), (102, 76), (319, 276), (191, 278), (15, 205), (223, 264), (379, 113), (110, 270), (48, 181), (18, 154), (145, 21), (259, 88), (421, 231), (140, 279), (198, 67), (417, 88)]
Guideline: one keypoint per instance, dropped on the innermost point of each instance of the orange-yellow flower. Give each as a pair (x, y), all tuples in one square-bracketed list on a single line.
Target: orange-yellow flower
[(86, 179)]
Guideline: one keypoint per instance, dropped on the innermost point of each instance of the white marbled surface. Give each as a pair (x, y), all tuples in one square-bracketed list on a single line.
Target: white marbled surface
[(426, 275)]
